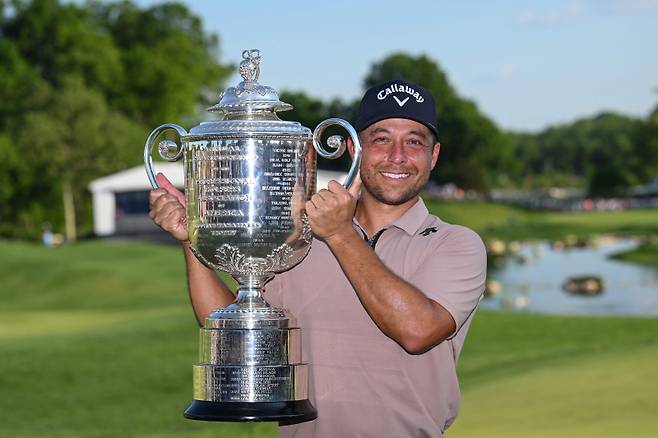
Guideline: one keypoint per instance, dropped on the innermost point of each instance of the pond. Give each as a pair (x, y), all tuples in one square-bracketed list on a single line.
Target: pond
[(532, 280)]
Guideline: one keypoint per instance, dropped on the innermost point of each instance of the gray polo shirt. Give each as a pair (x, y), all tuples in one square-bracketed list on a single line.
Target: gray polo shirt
[(362, 382)]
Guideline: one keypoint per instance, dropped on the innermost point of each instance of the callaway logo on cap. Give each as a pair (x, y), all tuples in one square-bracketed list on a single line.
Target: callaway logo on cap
[(397, 99), (400, 88)]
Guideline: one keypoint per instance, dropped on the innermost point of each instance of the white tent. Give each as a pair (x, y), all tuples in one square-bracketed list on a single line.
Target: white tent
[(109, 221)]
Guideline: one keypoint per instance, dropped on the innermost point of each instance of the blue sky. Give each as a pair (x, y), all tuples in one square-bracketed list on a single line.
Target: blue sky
[(527, 64)]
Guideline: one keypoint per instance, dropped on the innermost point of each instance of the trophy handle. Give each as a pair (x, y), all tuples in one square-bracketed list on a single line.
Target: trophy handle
[(167, 149), (338, 143)]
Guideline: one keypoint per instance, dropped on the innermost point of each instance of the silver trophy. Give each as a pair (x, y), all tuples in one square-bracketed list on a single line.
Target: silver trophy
[(247, 179)]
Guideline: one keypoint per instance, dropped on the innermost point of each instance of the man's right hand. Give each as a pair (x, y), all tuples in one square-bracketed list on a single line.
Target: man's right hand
[(168, 208)]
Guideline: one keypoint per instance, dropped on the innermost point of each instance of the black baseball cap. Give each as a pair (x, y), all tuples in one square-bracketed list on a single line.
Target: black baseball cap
[(397, 99)]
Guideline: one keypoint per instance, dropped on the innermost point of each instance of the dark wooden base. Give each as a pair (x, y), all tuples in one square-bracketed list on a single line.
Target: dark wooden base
[(287, 412)]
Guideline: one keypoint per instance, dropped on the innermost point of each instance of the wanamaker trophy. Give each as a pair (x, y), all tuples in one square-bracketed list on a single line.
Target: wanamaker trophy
[(247, 179)]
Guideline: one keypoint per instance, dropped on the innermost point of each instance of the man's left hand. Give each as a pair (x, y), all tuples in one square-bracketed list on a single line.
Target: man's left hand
[(330, 211)]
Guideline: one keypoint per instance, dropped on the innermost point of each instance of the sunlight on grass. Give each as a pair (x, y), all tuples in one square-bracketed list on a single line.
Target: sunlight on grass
[(607, 395), (38, 323)]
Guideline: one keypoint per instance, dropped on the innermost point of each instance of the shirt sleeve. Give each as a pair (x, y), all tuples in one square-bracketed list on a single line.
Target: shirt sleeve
[(454, 272)]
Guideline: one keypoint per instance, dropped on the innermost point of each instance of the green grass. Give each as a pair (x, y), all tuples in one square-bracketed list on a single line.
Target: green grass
[(646, 254), (97, 340), (542, 376), (513, 223)]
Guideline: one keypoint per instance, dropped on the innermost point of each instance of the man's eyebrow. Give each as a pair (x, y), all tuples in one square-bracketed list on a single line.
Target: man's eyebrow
[(378, 130), (421, 134)]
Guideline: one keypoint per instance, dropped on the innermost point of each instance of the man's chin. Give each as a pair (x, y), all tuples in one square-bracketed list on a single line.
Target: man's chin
[(389, 195), (386, 198)]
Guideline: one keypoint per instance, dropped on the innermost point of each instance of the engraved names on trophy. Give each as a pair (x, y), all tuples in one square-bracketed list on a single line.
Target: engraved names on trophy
[(281, 177), (250, 347), (230, 189), (252, 383)]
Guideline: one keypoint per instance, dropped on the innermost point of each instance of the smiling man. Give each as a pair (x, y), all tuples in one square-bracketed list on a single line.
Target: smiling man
[(387, 292)]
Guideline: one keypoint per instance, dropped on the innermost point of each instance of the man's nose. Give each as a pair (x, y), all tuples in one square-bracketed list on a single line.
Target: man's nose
[(397, 154)]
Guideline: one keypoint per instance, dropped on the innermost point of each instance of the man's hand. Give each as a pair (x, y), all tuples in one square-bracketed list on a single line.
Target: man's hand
[(168, 208), (330, 211)]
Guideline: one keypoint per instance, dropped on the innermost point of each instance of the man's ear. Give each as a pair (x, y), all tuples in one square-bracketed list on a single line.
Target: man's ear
[(435, 153), (350, 147)]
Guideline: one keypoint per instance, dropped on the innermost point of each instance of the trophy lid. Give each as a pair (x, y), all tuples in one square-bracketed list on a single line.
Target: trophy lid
[(249, 107), (249, 95)]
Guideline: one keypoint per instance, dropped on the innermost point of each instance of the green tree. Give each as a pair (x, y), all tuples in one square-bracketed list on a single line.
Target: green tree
[(601, 152), (22, 193), (21, 87), (171, 67), (61, 40), (609, 179), (73, 141), (646, 147)]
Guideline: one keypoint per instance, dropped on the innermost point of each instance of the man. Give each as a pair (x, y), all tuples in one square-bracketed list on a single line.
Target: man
[(386, 294)]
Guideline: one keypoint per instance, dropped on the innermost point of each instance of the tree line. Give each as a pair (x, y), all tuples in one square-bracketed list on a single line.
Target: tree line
[(605, 154), (82, 84)]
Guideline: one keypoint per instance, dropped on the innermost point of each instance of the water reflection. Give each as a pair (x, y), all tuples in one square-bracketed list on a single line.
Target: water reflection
[(532, 280)]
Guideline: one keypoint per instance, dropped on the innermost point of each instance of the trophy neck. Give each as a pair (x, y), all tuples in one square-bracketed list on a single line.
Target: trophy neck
[(250, 298), (250, 311), (252, 282)]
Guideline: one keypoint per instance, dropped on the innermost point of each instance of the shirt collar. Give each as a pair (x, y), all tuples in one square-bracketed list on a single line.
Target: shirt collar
[(411, 220)]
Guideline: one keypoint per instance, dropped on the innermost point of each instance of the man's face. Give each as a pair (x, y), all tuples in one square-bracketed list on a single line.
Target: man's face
[(398, 155)]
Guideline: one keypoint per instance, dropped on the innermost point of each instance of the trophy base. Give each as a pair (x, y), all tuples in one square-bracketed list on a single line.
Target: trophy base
[(287, 412)]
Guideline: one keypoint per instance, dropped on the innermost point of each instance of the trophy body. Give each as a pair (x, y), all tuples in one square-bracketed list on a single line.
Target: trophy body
[(247, 179)]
